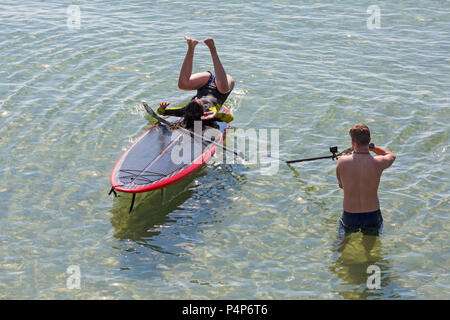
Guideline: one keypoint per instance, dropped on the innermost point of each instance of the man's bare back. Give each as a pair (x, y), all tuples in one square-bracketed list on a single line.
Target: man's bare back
[(359, 175)]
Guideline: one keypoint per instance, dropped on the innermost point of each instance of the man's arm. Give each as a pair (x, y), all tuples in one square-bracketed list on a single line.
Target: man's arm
[(338, 173), (385, 157)]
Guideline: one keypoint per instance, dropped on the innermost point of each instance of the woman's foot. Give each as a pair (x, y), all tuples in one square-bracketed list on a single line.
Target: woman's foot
[(210, 43), (191, 42)]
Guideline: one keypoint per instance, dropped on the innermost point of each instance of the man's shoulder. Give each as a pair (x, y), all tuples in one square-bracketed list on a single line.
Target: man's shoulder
[(345, 158), (384, 161)]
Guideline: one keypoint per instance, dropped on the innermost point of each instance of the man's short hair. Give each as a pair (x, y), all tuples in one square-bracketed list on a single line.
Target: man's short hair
[(360, 133)]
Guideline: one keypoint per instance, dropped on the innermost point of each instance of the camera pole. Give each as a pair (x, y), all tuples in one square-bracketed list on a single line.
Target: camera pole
[(334, 155)]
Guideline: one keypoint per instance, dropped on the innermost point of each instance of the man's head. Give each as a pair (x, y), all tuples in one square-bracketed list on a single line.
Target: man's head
[(360, 134)]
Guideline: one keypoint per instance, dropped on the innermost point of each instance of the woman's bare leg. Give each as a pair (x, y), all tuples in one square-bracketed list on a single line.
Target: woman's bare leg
[(187, 80), (224, 82)]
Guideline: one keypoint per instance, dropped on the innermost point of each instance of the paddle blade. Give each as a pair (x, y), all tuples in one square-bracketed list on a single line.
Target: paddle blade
[(153, 113)]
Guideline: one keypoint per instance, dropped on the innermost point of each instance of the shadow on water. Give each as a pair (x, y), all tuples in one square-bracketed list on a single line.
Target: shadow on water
[(183, 204), (159, 235), (355, 253)]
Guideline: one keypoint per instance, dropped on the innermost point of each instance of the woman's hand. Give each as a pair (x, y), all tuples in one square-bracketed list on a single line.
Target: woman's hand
[(164, 104), (208, 115)]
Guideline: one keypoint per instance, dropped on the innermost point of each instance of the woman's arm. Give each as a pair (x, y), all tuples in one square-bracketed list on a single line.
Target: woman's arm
[(174, 111)]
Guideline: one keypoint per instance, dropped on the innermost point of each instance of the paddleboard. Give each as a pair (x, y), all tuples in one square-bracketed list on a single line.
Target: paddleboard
[(162, 156)]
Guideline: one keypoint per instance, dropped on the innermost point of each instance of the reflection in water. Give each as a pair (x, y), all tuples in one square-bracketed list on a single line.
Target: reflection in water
[(150, 212), (184, 207), (355, 253)]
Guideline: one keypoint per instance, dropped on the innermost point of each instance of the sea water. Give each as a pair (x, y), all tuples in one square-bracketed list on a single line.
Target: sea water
[(72, 78)]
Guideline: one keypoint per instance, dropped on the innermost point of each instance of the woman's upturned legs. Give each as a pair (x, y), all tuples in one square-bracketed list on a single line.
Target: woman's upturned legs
[(187, 80), (224, 82)]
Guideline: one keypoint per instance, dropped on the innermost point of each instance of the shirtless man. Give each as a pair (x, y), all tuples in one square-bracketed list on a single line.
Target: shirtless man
[(359, 175)]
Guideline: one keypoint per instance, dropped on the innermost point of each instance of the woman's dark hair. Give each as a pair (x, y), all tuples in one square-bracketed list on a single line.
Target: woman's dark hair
[(192, 112)]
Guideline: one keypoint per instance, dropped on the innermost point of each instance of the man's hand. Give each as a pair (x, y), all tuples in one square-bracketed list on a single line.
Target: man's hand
[(209, 115), (164, 104)]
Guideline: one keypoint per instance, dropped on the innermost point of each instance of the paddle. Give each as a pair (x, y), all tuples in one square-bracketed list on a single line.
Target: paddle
[(167, 123), (333, 150)]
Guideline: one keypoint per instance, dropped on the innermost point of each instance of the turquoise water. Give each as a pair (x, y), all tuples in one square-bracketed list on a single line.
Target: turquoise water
[(70, 105)]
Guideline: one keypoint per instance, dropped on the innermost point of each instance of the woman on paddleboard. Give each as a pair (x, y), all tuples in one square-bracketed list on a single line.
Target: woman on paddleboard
[(212, 90)]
